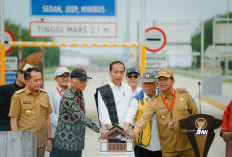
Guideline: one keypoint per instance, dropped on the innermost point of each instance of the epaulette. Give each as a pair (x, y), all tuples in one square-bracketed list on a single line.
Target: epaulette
[(154, 96), (43, 90), (20, 91)]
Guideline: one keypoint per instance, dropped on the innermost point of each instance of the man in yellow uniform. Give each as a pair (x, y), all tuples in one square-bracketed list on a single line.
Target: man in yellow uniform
[(30, 109), (170, 106)]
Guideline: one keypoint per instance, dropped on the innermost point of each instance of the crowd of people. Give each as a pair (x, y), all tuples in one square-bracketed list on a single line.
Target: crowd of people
[(149, 114)]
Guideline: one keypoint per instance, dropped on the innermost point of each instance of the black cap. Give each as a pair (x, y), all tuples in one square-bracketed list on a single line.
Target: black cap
[(79, 73)]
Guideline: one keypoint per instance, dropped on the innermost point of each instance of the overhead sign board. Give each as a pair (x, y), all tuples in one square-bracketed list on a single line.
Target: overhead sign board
[(73, 29), (155, 61), (8, 38), (73, 7), (223, 33), (11, 63), (155, 39)]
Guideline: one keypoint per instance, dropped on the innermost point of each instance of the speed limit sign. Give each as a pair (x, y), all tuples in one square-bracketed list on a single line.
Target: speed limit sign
[(8, 38)]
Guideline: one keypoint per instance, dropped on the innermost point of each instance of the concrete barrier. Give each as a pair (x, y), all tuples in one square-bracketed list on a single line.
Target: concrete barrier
[(18, 144)]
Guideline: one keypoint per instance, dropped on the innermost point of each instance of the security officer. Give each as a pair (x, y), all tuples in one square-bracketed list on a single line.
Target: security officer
[(170, 106), (30, 110), (6, 91)]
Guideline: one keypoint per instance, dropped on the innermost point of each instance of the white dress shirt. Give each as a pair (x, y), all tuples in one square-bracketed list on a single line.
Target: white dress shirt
[(54, 98), (122, 98), (154, 144), (138, 89)]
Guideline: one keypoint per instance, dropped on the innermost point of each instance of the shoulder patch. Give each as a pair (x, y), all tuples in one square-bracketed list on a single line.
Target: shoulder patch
[(19, 91), (43, 90), (193, 100)]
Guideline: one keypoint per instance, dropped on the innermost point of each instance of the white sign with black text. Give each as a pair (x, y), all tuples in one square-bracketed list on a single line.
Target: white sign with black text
[(156, 61), (73, 29), (11, 63)]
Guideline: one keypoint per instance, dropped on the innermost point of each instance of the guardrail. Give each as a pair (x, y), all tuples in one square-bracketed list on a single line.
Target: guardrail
[(69, 44)]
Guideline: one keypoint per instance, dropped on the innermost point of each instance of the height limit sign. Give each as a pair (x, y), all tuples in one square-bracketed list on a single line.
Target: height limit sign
[(155, 39)]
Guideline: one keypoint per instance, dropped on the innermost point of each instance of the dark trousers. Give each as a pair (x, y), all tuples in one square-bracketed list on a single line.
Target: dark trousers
[(64, 153), (5, 127), (142, 152)]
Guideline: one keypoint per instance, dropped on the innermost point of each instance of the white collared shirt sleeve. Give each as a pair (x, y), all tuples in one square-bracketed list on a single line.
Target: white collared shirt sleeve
[(54, 114), (103, 111), (132, 111)]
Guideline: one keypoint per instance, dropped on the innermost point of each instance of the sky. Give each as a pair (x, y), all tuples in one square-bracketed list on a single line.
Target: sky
[(127, 15)]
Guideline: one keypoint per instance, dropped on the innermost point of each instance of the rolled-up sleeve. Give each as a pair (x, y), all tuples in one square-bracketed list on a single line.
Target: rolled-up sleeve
[(133, 109), (103, 112)]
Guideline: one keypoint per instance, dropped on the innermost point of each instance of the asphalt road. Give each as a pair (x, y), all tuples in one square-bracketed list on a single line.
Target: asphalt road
[(100, 78)]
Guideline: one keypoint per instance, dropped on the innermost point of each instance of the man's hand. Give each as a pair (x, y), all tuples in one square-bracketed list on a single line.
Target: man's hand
[(49, 145), (181, 89), (133, 134), (126, 127), (226, 136), (108, 126), (103, 131)]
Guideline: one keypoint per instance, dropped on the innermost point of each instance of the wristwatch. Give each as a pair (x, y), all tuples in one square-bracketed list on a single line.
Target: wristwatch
[(49, 139)]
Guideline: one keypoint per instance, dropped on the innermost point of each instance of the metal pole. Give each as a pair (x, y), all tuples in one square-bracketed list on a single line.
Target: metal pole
[(143, 19), (137, 49), (142, 48), (227, 30), (127, 34), (202, 49), (2, 42), (20, 39)]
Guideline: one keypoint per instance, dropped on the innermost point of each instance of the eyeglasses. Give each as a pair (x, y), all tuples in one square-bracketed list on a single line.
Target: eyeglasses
[(135, 76)]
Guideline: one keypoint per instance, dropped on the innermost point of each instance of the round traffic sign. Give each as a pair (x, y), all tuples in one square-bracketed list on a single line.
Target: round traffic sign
[(8, 38), (155, 39)]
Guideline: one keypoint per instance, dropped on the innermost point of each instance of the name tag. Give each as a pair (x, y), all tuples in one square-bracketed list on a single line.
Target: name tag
[(26, 102)]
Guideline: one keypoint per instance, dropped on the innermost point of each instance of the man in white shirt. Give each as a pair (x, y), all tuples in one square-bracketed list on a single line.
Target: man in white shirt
[(113, 99), (62, 78), (147, 144), (132, 79)]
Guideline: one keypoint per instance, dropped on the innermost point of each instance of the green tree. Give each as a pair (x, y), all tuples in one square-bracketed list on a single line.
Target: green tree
[(208, 36), (51, 56)]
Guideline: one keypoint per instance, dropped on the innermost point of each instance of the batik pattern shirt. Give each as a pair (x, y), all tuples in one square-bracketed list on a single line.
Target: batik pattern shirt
[(70, 133)]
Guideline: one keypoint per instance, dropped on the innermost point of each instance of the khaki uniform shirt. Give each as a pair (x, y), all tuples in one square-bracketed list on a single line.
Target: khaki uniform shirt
[(170, 140), (39, 107)]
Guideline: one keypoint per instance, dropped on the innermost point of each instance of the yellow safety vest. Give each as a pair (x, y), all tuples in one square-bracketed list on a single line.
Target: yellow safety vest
[(144, 136)]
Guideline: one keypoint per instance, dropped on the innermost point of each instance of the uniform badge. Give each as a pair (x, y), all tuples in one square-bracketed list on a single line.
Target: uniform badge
[(28, 112), (163, 117), (141, 102), (181, 99)]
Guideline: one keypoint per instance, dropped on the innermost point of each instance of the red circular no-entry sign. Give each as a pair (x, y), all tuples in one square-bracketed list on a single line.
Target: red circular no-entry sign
[(8, 37), (155, 39)]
